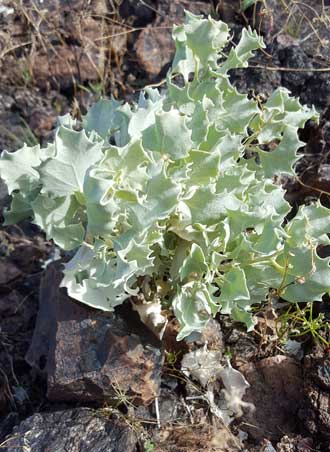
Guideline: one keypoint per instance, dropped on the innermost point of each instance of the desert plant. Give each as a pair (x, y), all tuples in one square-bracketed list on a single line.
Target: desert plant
[(173, 199)]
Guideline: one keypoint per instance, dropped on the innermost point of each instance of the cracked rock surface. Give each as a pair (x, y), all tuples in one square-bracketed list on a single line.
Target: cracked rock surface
[(90, 356), (76, 430)]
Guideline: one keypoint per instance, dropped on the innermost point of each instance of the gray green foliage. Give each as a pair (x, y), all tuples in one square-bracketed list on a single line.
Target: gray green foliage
[(184, 197)]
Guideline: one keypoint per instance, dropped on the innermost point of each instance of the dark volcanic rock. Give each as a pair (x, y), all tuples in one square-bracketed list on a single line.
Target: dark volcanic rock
[(313, 168), (78, 430), (8, 272), (317, 90), (316, 411), (139, 13), (7, 424), (87, 355), (3, 193), (276, 392), (294, 57)]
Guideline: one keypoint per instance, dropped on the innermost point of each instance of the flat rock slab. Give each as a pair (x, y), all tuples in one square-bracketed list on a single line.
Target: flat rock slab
[(90, 356), (276, 391), (77, 430)]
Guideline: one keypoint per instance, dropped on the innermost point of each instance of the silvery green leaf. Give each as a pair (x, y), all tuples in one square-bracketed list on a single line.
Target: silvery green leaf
[(160, 201), (144, 115), (244, 316), (279, 111), (282, 159), (136, 259), (318, 220), (20, 209), (17, 169), (205, 38), (193, 306), (238, 110), (234, 286), (101, 117), (60, 219), (194, 263), (208, 207), (64, 173), (307, 276), (198, 44), (89, 278), (169, 135), (183, 62), (239, 56), (204, 167), (102, 209)]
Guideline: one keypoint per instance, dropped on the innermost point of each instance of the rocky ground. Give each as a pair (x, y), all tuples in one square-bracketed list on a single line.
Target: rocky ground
[(74, 380)]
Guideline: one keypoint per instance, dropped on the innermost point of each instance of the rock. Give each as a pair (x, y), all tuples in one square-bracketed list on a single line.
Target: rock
[(28, 255), (228, 10), (295, 443), (139, 13), (295, 57), (317, 91), (242, 345), (314, 185), (90, 356), (42, 122), (154, 46), (276, 392), (313, 168), (172, 408), (76, 41), (7, 424), (3, 194), (76, 430), (154, 49), (63, 65), (14, 314), (315, 413), (8, 272)]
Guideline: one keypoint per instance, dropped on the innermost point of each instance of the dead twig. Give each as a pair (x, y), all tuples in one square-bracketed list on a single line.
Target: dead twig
[(289, 69)]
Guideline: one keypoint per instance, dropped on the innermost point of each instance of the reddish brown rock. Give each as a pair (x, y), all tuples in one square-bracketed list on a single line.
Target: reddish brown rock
[(88, 355), (154, 49), (276, 390), (63, 65), (154, 46)]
